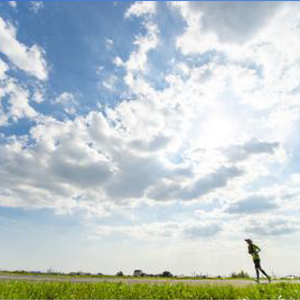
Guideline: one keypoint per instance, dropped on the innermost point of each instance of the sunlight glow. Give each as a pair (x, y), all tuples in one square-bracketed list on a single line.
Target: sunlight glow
[(218, 130)]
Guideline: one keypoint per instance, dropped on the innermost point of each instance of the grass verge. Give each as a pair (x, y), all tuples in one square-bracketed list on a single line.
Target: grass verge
[(67, 290)]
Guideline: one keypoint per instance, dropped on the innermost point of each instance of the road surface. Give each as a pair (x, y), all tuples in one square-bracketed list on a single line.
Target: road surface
[(41, 278)]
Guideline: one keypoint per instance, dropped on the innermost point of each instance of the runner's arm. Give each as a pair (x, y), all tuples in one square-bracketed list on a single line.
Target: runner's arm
[(257, 249)]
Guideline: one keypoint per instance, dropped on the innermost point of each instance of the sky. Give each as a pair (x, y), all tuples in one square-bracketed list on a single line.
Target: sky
[(149, 135)]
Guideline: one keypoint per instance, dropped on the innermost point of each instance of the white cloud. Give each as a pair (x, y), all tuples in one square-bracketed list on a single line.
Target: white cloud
[(110, 82), (138, 59), (38, 95), (3, 69), (207, 156), (156, 231), (210, 136), (17, 100), (36, 6), (200, 231), (68, 102), (273, 226), (118, 61), (202, 186), (29, 59), (141, 8), (13, 4), (109, 43), (234, 21), (212, 24), (99, 70), (252, 205), (252, 147), (132, 143)]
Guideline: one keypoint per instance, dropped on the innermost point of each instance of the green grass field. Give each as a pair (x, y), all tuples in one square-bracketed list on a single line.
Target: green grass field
[(67, 290)]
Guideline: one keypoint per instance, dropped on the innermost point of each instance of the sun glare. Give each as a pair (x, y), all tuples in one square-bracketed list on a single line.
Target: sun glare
[(216, 131)]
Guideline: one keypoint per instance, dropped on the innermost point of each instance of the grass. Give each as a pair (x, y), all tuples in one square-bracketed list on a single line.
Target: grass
[(67, 290)]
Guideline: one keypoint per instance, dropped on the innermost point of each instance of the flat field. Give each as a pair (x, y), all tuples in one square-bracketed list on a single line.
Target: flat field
[(144, 289)]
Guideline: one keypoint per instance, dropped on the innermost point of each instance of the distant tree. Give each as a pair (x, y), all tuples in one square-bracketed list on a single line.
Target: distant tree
[(137, 273), (166, 274), (120, 273), (50, 270), (241, 274)]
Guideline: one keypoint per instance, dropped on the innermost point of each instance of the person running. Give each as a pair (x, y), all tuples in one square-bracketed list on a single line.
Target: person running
[(253, 250)]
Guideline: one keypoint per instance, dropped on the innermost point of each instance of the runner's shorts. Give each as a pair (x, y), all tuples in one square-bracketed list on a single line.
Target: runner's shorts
[(257, 263)]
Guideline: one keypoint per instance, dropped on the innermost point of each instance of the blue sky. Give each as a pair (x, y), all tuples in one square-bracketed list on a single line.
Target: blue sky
[(149, 135)]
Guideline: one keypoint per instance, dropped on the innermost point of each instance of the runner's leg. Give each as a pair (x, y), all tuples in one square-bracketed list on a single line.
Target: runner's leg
[(264, 272), (269, 278), (257, 274)]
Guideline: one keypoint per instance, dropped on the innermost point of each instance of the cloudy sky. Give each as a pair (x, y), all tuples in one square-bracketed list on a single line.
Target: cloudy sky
[(149, 135)]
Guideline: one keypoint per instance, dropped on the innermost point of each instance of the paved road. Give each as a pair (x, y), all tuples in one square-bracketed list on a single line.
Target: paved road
[(239, 282)]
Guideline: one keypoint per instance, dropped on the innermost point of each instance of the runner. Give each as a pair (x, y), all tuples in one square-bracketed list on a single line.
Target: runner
[(253, 250)]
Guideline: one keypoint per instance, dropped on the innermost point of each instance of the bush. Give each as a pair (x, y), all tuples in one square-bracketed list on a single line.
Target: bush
[(241, 274), (166, 274)]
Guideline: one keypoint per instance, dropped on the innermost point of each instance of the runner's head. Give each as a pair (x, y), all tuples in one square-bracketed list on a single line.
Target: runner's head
[(248, 241)]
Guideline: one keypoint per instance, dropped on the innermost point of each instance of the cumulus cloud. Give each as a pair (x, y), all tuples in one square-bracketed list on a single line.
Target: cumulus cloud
[(18, 105), (273, 226), (252, 205), (200, 231), (144, 43), (135, 175), (148, 232), (138, 59), (68, 102), (143, 148), (141, 8), (183, 142), (156, 143), (197, 147), (159, 230), (232, 21), (105, 155), (13, 4), (39, 94), (251, 147), (36, 6), (208, 183), (71, 158), (110, 82), (3, 69), (109, 43), (59, 166), (211, 24), (29, 59)]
